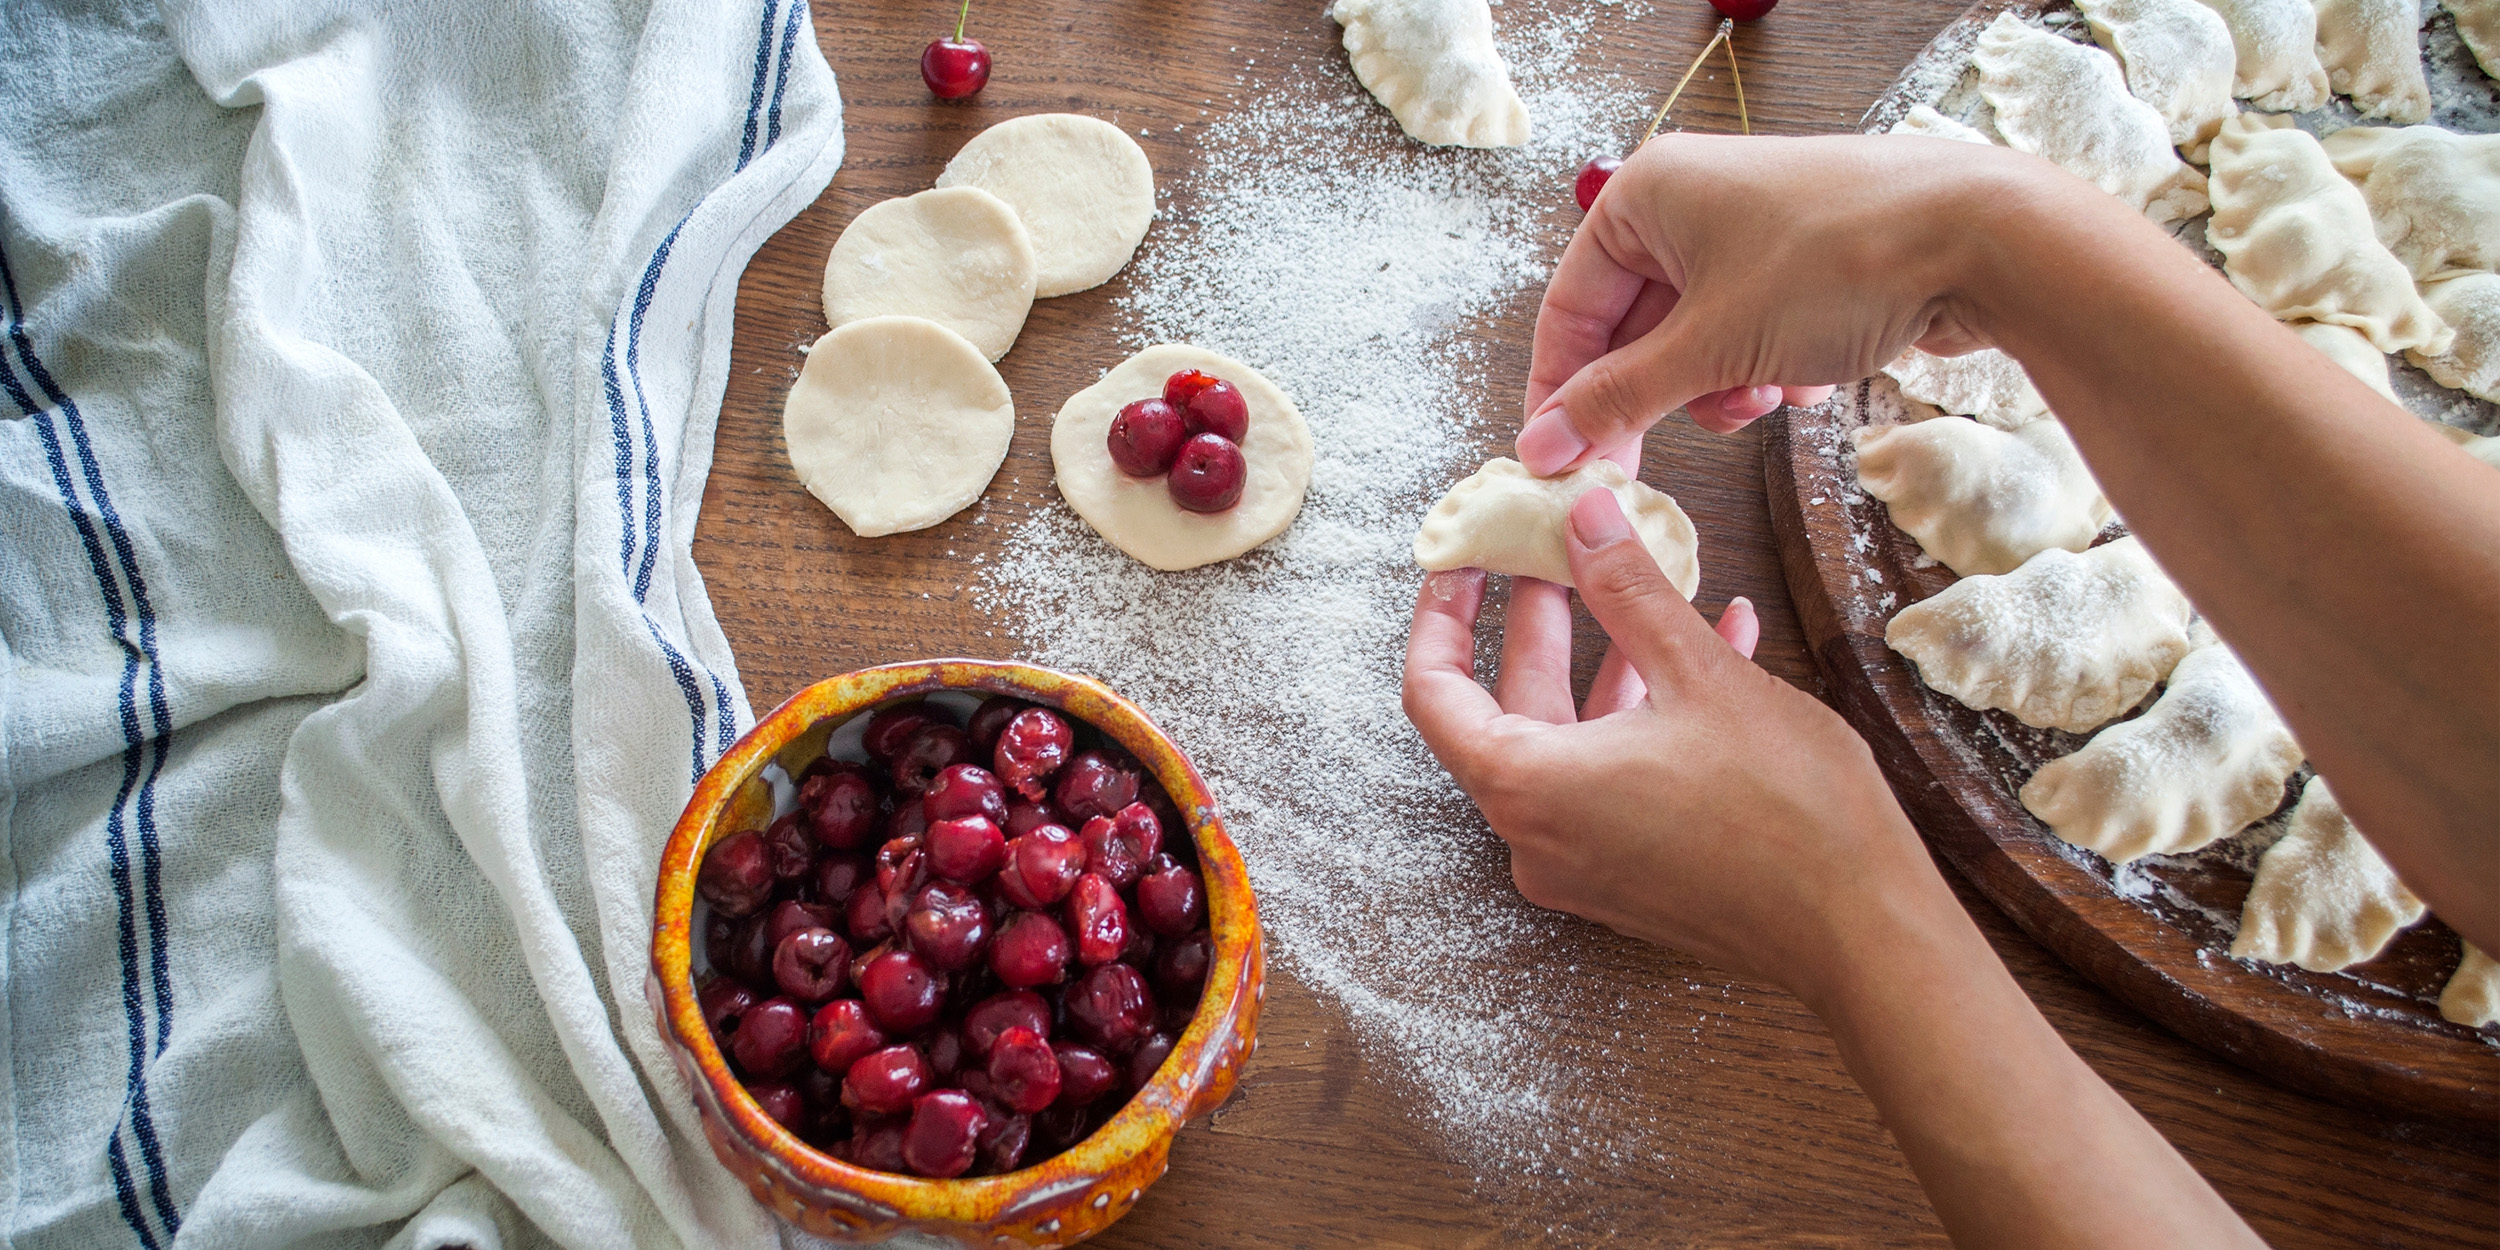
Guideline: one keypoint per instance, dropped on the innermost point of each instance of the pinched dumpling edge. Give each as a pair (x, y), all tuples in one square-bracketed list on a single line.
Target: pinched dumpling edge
[(2323, 898), (1504, 519), (1400, 68)]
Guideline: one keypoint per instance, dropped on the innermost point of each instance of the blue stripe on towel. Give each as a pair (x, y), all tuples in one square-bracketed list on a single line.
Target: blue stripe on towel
[(781, 80), (111, 576), (755, 96)]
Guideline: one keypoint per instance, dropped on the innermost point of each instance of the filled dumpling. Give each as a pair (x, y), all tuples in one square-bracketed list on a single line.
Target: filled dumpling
[(1981, 500), (2276, 42), (2434, 195), (1433, 65), (2070, 104), (2323, 898)]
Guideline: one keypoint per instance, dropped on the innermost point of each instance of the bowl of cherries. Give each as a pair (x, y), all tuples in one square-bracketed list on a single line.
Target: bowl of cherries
[(954, 947)]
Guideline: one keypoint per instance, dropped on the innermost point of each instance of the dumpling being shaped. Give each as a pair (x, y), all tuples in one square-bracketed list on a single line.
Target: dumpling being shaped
[(2471, 307), (2206, 761), (1986, 384), (2066, 641), (2179, 58), (1923, 119), (2372, 50), (2069, 103), (2473, 994), (1504, 519), (2350, 349), (2323, 898), (2434, 194), (1978, 499), (2478, 24), (2276, 42), (2297, 238), (1433, 65)]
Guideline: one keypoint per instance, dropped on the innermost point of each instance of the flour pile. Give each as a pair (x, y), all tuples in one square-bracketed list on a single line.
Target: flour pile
[(1348, 265)]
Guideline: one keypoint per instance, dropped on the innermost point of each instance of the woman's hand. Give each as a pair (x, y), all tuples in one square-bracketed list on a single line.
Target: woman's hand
[(1728, 276), (1695, 800)]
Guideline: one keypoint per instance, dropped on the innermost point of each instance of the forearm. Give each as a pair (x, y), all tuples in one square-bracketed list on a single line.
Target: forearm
[(2016, 1142), (2348, 555)]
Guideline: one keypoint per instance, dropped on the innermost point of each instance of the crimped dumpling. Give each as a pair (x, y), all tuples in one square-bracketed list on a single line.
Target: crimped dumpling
[(2066, 641), (1978, 499), (1504, 519), (2277, 46), (2323, 898), (2473, 994), (2206, 761), (2372, 50), (2434, 194), (2351, 350), (1433, 65), (2070, 104), (2471, 307), (1986, 384), (2179, 59)]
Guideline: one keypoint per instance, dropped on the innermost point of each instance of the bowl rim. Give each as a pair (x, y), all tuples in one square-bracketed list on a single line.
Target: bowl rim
[(1151, 1115)]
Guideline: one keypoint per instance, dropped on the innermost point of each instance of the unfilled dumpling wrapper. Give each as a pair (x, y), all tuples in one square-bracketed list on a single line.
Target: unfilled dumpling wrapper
[(2352, 351), (2478, 24), (1433, 65), (2372, 50), (2206, 761), (2471, 307), (2066, 641), (2296, 238), (1982, 500), (2276, 43), (958, 256), (1083, 187), (2070, 104), (896, 423), (2323, 898), (1986, 385), (2434, 195), (1504, 519), (1136, 514), (2473, 994), (1923, 119), (2179, 59)]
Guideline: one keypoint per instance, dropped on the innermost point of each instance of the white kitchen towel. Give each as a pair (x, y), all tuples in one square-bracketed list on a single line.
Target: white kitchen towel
[(357, 392)]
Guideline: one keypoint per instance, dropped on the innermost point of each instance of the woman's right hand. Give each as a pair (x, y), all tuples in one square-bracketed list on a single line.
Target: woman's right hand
[(1733, 274)]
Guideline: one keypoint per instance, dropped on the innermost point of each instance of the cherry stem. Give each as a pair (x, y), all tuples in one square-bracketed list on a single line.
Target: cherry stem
[(960, 15), (1742, 117), (1727, 26)]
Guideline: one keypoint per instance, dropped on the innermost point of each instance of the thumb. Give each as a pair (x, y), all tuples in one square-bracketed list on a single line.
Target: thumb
[(1614, 398), (1650, 623)]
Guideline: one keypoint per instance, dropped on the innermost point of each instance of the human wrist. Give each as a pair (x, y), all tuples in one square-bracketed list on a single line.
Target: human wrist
[(1898, 934)]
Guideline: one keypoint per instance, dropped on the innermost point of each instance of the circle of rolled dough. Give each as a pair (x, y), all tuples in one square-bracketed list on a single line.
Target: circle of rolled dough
[(958, 256), (1083, 187), (1136, 514), (897, 423)]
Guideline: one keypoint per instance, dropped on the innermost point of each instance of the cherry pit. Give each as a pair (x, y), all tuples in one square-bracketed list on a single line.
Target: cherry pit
[(967, 951), (1190, 436)]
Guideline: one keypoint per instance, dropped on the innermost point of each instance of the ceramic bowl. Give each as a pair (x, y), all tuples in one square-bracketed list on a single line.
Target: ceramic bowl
[(1055, 1202)]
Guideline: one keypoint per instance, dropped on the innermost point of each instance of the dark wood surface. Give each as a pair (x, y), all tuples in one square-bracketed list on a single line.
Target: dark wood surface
[(1324, 1146)]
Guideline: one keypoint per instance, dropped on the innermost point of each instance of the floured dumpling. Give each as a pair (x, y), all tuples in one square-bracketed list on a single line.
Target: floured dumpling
[(2373, 52), (2323, 898), (1925, 120), (2179, 59), (1504, 519), (2471, 307), (2208, 760), (2069, 103), (2277, 46), (2350, 349), (2297, 238), (2066, 641), (2434, 195), (1433, 65), (1986, 384), (2478, 24), (2473, 994), (1982, 500)]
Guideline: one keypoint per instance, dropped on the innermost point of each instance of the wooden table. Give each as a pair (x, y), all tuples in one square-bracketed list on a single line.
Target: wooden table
[(1777, 1146)]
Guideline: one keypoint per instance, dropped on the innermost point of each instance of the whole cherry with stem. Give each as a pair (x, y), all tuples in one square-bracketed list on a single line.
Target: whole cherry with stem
[(1593, 175), (957, 67)]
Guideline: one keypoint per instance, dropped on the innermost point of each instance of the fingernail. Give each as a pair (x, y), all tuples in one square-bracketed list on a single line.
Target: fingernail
[(1449, 584), (1597, 519), (1549, 443), (1764, 397)]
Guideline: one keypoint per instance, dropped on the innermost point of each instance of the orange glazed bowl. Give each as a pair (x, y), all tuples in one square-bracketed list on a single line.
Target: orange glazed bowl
[(1059, 1200)]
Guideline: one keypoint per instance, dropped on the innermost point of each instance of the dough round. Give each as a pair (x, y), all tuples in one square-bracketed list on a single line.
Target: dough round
[(1136, 514), (958, 256), (1081, 184), (897, 423)]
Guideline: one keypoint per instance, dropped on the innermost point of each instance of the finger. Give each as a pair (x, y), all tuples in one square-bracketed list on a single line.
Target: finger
[(1725, 412), (1650, 307), (1589, 295), (1442, 698), (1659, 633), (1806, 396), (1618, 395), (1616, 687), (1535, 680), (1739, 624), (1628, 456)]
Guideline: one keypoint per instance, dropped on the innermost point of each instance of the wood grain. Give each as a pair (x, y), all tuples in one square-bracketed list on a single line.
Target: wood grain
[(1324, 1146)]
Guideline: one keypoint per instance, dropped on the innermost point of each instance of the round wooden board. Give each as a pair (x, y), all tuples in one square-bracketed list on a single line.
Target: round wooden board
[(2370, 1036)]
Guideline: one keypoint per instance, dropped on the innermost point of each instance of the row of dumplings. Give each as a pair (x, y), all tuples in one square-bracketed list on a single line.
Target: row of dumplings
[(2375, 241)]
